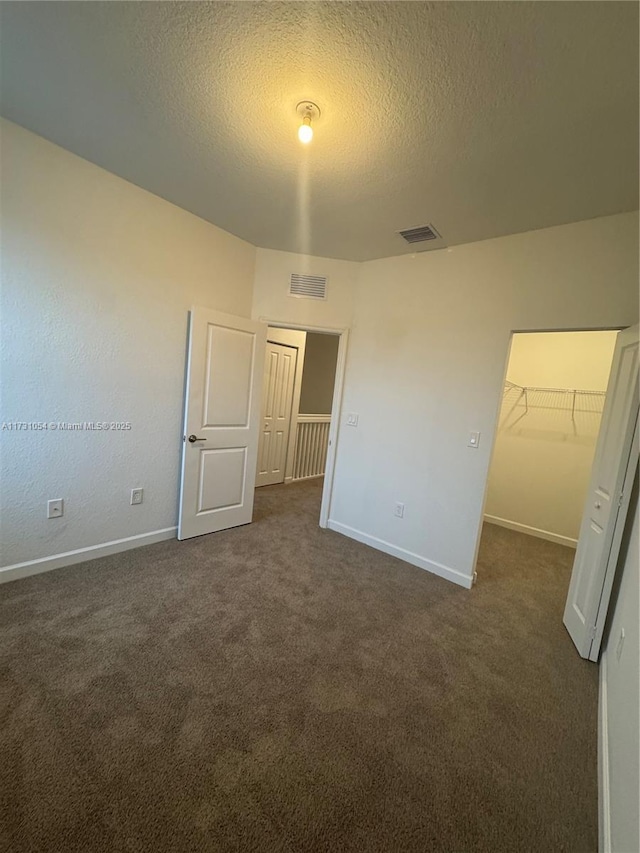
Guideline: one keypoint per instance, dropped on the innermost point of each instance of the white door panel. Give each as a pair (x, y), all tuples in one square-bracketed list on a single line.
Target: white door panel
[(278, 392), (221, 477), (224, 377), (612, 474)]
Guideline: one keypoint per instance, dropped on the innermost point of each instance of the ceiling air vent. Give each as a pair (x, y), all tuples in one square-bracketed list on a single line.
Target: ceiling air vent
[(419, 235), (308, 286)]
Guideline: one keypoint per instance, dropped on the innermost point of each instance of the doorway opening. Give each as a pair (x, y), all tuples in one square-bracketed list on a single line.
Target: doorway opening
[(546, 435), (300, 399)]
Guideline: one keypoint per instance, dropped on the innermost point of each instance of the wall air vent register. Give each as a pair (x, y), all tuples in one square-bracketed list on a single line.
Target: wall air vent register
[(308, 286)]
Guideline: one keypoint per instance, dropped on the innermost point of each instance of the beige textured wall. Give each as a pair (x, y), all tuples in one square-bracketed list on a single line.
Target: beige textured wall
[(97, 280), (271, 300), (427, 356)]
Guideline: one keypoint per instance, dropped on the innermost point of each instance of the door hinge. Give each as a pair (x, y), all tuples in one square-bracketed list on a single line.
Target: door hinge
[(593, 633), (620, 499)]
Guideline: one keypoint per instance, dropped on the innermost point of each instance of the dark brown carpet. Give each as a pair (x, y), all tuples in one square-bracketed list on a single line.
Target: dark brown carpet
[(278, 687)]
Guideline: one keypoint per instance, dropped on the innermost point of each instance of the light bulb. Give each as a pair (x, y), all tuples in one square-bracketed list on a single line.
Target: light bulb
[(305, 131)]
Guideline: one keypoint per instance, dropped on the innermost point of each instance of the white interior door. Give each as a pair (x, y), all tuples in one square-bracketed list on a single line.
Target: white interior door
[(277, 399), (612, 475), (222, 410)]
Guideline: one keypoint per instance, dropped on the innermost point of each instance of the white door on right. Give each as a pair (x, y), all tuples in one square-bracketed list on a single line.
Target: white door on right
[(277, 401), (612, 474)]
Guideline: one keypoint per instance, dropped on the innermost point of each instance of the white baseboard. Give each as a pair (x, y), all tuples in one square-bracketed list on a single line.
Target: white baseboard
[(604, 794), (402, 554), (532, 531), (58, 561)]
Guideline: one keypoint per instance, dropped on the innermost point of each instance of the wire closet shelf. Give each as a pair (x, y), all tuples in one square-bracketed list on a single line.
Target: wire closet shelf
[(569, 399)]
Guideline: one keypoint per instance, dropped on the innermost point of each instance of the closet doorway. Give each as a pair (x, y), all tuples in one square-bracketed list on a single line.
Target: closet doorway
[(565, 459), (545, 441)]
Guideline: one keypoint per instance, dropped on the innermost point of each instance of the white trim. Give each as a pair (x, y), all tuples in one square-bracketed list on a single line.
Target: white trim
[(314, 419), (303, 327), (336, 415), (402, 554), (69, 558), (336, 404), (532, 531), (604, 792)]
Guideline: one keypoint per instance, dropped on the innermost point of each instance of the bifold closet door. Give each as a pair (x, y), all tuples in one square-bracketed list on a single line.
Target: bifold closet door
[(277, 401), (614, 467)]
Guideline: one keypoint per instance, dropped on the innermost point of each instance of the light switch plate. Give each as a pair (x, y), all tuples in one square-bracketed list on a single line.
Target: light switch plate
[(474, 439), (352, 419)]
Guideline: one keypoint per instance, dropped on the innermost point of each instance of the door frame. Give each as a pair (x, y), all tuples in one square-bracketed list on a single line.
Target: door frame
[(336, 403), (496, 417)]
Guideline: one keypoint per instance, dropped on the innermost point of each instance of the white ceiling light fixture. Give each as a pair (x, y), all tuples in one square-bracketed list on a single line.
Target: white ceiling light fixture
[(308, 112)]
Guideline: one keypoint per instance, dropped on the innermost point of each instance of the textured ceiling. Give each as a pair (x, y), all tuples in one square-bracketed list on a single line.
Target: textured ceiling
[(481, 118)]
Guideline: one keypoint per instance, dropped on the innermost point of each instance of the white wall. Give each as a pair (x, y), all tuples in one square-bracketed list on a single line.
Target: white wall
[(543, 454), (562, 359), (97, 279), (318, 377), (98, 276), (426, 362), (619, 697), (271, 298)]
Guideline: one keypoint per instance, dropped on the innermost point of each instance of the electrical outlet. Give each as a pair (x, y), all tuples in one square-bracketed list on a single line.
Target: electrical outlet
[(55, 508), (399, 510), (136, 496)]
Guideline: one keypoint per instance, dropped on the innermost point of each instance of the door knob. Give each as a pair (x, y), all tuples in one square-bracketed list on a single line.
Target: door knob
[(193, 438)]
